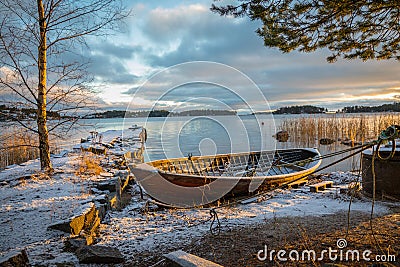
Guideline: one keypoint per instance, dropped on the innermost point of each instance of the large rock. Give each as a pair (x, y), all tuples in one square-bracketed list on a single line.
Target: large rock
[(71, 245), (107, 185), (99, 254), (14, 259), (74, 225), (282, 136)]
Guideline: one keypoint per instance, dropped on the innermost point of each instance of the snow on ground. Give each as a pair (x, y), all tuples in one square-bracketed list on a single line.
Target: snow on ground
[(118, 142), (28, 206), (136, 232)]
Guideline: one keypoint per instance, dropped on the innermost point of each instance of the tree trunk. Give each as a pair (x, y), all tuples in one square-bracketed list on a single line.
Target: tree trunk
[(44, 149)]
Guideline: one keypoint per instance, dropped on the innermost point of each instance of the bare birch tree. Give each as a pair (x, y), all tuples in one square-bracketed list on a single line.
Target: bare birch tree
[(40, 63)]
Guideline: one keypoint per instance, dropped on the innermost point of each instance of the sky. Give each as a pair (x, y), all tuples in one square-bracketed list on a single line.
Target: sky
[(146, 65)]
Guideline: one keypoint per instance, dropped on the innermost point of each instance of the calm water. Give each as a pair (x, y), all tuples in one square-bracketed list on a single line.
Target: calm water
[(179, 136)]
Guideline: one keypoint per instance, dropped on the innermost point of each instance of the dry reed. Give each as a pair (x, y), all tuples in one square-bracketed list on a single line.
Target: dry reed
[(354, 127), (17, 146)]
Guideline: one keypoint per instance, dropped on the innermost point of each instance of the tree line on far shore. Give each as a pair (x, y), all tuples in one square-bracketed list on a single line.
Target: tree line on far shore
[(307, 109), (10, 113), (160, 113)]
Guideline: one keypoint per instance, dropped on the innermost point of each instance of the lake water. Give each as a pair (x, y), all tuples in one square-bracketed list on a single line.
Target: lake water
[(179, 136)]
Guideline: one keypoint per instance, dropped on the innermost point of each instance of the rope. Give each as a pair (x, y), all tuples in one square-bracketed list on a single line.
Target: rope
[(333, 154), (295, 180), (391, 133), (214, 216)]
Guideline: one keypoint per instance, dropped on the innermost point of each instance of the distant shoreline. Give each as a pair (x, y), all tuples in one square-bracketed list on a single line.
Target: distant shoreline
[(11, 114)]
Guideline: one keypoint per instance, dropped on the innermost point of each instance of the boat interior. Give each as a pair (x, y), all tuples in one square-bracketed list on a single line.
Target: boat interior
[(262, 163)]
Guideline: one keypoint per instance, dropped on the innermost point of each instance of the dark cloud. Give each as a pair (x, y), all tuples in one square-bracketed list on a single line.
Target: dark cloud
[(120, 51), (202, 35), (109, 69)]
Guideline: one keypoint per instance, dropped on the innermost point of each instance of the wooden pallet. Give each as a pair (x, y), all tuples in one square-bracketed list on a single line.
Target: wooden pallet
[(321, 186), (296, 184)]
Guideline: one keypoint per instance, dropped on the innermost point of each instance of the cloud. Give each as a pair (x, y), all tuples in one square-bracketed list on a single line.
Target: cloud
[(110, 68), (165, 33), (121, 51), (193, 32)]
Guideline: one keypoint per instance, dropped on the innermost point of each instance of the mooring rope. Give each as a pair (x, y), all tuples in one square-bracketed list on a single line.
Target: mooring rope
[(390, 134), (214, 216)]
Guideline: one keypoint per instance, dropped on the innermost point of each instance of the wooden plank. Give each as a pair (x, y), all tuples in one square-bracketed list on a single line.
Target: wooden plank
[(182, 259), (321, 186)]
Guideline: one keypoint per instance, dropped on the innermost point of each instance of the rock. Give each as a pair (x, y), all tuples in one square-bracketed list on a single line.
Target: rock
[(99, 254), (75, 224), (326, 141), (102, 199), (102, 210), (282, 136), (73, 244), (106, 174), (182, 259), (108, 185), (14, 259), (90, 232), (96, 191)]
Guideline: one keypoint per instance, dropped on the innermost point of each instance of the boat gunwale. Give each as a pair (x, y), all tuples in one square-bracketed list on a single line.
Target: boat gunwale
[(269, 177)]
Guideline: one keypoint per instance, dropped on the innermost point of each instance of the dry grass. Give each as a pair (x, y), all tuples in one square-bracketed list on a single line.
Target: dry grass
[(17, 146), (89, 165), (356, 128)]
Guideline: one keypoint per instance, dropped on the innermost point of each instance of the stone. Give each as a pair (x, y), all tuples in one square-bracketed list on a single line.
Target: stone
[(76, 223), (107, 185), (102, 199), (90, 233), (73, 244), (14, 259), (326, 141), (182, 259), (102, 210), (282, 136), (99, 254)]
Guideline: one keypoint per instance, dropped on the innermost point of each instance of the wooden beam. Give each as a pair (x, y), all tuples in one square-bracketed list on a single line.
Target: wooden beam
[(182, 259)]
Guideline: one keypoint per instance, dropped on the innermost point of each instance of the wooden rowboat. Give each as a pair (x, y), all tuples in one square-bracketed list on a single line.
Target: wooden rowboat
[(199, 180)]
